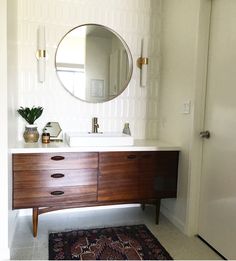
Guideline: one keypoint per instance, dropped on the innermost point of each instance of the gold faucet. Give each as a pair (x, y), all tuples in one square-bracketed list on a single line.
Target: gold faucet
[(95, 125)]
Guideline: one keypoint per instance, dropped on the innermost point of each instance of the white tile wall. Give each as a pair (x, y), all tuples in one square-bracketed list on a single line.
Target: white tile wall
[(133, 20)]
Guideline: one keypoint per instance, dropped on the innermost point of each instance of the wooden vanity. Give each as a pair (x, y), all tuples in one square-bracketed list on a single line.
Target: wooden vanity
[(52, 180)]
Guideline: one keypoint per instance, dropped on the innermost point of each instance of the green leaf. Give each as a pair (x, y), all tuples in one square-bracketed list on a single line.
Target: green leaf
[(30, 115)]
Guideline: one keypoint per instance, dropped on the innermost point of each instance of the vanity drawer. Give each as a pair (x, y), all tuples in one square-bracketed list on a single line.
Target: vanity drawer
[(46, 161), (56, 196), (113, 161), (54, 178)]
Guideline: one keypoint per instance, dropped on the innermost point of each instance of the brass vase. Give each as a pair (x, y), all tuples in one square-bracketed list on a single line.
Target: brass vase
[(31, 134)]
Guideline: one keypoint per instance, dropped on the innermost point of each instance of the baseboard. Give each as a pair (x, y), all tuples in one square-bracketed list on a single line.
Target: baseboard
[(172, 218)]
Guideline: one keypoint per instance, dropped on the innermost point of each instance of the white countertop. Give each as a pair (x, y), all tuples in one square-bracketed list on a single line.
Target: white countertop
[(139, 145)]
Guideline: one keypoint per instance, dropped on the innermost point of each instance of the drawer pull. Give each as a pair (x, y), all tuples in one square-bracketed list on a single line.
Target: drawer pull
[(57, 193), (57, 158), (131, 156), (57, 175)]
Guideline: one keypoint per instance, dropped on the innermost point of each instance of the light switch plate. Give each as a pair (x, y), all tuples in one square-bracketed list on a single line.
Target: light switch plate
[(186, 107)]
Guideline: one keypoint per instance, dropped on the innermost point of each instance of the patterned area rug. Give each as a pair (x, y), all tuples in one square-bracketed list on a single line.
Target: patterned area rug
[(113, 243)]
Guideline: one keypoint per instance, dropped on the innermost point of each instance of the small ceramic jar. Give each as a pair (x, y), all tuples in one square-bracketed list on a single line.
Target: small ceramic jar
[(46, 137)]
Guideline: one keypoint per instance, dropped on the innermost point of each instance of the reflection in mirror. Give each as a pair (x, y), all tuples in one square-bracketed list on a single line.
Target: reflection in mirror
[(93, 63)]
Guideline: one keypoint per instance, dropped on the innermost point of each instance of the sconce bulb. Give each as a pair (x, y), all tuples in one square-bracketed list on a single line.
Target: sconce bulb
[(41, 38)]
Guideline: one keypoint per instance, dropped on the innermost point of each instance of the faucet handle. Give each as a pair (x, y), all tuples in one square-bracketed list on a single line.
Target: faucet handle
[(95, 125), (94, 120)]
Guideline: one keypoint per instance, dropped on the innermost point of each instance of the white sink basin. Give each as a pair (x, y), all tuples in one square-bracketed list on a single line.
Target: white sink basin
[(75, 139)]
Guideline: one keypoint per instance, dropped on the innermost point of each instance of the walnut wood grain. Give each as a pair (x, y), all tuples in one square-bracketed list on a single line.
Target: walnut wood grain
[(52, 181), (118, 176), (35, 221), (42, 197), (44, 161), (158, 174), (112, 160), (46, 178), (85, 204), (137, 175)]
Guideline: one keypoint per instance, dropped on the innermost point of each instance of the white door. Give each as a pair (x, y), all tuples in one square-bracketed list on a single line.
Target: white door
[(217, 219)]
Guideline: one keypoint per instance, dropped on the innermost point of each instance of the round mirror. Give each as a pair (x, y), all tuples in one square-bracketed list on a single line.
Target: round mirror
[(93, 63)]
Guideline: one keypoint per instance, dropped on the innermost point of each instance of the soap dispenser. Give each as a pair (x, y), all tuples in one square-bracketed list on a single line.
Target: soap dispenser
[(126, 129)]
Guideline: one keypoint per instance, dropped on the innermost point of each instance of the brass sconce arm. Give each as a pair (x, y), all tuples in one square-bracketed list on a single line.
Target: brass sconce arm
[(142, 61)]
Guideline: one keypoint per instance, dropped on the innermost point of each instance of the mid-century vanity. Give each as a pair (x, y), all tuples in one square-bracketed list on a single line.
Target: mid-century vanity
[(55, 176)]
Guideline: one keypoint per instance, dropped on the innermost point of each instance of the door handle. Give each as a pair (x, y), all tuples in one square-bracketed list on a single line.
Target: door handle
[(205, 134)]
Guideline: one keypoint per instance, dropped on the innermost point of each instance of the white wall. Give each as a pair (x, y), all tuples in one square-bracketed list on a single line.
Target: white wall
[(4, 251), (133, 20), (151, 111), (12, 87), (184, 52)]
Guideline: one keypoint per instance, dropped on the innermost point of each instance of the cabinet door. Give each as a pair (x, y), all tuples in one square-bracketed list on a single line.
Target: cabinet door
[(158, 174), (118, 176)]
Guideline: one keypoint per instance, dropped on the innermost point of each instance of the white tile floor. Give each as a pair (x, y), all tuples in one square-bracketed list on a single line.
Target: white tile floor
[(178, 245)]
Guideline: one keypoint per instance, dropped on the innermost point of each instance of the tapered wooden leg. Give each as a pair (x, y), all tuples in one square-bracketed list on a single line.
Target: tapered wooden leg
[(158, 204), (35, 221), (143, 206)]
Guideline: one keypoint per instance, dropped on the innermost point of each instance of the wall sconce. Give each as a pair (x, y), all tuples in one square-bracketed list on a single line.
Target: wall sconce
[(142, 63), (41, 53)]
